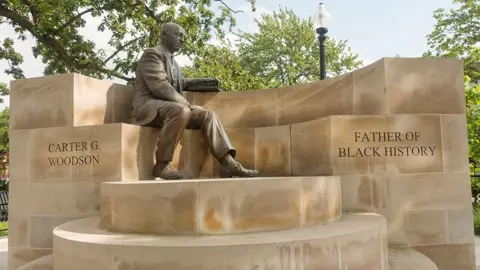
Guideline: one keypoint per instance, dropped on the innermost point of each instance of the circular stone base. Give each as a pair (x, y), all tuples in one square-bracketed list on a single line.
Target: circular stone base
[(358, 241)]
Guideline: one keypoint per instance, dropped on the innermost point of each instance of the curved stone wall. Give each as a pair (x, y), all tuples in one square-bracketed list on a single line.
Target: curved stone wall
[(229, 206), (388, 86)]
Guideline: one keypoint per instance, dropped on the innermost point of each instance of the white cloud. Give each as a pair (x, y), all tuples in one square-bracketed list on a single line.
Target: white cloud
[(250, 17)]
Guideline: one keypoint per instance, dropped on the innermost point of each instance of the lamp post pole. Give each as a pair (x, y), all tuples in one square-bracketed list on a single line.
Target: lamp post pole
[(320, 21), (321, 38)]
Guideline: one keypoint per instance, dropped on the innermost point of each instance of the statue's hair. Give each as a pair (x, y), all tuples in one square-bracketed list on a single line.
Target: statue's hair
[(169, 26)]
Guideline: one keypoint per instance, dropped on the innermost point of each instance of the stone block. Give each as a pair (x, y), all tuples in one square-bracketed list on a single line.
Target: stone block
[(429, 191), (18, 235), (386, 144), (63, 199), (311, 142), (455, 143), (244, 142), (19, 152), (315, 100), (42, 102), (420, 227), (195, 159), (75, 257), (363, 253), (41, 228), (424, 86), (110, 152), (247, 109), (249, 205), (460, 225), (453, 256), (43, 263), (67, 100), (17, 257), (369, 96), (143, 207), (226, 206), (273, 151), (321, 200), (421, 209)]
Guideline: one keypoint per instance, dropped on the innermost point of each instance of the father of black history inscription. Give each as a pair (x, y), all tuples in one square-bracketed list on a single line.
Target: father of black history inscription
[(158, 103)]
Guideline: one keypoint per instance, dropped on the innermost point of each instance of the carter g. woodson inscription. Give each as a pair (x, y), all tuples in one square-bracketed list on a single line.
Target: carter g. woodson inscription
[(75, 158), (387, 151)]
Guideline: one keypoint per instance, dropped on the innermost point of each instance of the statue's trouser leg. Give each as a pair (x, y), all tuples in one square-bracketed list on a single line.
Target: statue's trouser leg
[(215, 136), (172, 120)]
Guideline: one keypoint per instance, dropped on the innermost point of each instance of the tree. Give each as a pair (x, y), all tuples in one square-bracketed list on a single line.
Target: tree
[(224, 64), (457, 35), (129, 25), (472, 92), (4, 138), (285, 51)]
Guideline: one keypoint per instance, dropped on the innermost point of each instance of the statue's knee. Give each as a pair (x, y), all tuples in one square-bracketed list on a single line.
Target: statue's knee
[(210, 114), (183, 112)]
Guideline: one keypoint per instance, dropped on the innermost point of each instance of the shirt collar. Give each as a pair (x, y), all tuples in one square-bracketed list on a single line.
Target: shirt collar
[(165, 51)]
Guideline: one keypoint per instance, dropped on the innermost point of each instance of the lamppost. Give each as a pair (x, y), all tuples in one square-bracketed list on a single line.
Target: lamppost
[(320, 22)]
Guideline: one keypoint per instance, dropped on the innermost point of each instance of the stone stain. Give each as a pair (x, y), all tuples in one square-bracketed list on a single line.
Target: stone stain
[(364, 192), (211, 222), (268, 209), (184, 208), (272, 158), (106, 212)]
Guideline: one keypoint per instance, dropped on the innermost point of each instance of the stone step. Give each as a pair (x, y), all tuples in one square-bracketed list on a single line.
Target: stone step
[(43, 263), (409, 259), (358, 241), (219, 206)]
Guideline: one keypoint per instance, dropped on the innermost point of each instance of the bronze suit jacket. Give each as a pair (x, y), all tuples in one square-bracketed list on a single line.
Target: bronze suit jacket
[(153, 83)]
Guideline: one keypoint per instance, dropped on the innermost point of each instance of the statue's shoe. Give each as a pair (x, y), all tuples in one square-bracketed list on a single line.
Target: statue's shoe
[(166, 172), (237, 170)]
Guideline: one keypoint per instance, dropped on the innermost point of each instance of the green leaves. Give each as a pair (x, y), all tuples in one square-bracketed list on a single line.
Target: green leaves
[(13, 58), (457, 35), (285, 51), (472, 92), (4, 123), (222, 63), (130, 26)]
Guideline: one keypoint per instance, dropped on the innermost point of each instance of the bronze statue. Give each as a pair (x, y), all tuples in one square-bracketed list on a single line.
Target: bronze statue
[(158, 103)]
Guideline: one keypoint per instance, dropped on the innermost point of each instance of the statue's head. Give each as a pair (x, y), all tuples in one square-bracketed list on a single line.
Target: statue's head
[(172, 37)]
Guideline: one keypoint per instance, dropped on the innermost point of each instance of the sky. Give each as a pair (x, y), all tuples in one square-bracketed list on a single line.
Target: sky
[(373, 28)]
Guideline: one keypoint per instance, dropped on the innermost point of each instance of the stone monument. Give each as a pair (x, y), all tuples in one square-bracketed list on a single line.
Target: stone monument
[(368, 170)]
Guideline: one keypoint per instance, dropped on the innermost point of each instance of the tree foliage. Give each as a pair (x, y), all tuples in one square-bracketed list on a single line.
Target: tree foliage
[(285, 51), (457, 35), (224, 64), (4, 141), (4, 123), (473, 118), (130, 26)]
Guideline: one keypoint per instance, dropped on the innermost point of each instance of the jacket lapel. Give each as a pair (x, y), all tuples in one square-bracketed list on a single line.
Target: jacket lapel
[(168, 67), (179, 76)]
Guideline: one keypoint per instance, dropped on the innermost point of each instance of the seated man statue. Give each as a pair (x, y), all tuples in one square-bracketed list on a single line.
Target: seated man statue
[(158, 103)]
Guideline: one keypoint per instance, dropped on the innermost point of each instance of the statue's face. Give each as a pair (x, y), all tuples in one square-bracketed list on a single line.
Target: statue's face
[(174, 38)]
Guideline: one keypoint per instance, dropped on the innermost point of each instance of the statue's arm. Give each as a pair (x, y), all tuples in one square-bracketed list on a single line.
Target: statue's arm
[(153, 71), (185, 82)]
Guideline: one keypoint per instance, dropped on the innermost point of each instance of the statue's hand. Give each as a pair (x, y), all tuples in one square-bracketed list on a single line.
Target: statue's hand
[(195, 107)]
